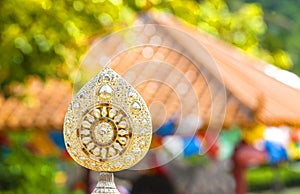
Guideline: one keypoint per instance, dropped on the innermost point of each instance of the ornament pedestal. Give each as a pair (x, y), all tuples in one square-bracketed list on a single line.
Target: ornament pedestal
[(106, 184)]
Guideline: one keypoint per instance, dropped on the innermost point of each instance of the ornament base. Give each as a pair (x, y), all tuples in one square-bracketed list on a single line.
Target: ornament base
[(106, 184)]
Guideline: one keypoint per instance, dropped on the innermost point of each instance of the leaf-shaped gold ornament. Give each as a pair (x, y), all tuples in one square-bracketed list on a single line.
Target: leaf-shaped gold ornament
[(107, 126)]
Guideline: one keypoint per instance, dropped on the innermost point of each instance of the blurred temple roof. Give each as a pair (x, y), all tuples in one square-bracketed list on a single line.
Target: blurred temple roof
[(36, 105), (273, 102), (251, 94)]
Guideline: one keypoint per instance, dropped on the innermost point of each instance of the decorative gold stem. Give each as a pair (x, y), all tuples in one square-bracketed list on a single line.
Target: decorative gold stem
[(106, 184)]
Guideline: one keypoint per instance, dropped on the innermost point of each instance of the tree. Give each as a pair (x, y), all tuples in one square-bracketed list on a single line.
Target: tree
[(282, 19), (47, 38)]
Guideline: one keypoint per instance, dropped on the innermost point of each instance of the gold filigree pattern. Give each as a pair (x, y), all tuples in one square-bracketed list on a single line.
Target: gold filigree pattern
[(107, 125), (105, 132)]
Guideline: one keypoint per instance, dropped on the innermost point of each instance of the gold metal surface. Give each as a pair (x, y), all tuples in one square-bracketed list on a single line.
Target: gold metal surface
[(107, 126)]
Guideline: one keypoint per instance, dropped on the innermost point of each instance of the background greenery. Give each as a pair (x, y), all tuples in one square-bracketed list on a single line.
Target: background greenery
[(282, 19), (22, 172), (269, 177)]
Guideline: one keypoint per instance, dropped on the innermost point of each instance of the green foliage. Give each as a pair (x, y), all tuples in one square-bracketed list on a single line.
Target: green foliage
[(282, 19), (263, 178), (22, 172), (47, 37)]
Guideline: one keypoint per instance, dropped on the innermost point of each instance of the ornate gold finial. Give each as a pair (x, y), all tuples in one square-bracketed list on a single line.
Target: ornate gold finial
[(107, 127)]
